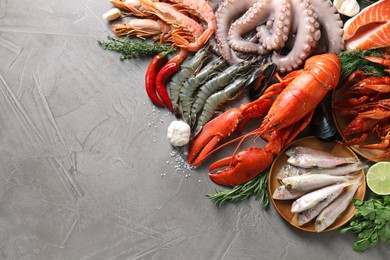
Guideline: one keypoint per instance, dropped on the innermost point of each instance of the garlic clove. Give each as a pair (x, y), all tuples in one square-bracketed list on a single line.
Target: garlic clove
[(347, 7), (113, 14)]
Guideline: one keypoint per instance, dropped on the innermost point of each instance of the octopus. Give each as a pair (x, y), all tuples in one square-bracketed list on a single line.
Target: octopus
[(286, 32)]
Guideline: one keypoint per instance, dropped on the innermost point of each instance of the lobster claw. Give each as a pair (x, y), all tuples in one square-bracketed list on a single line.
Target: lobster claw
[(240, 168), (211, 134)]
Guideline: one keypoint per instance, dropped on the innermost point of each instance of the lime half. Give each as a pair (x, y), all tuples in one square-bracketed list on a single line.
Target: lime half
[(378, 178)]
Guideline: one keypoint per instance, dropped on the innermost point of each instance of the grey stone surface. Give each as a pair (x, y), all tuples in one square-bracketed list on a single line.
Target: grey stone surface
[(86, 171)]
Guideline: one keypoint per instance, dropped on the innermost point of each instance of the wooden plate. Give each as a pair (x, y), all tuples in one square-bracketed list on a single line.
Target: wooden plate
[(342, 122), (283, 207)]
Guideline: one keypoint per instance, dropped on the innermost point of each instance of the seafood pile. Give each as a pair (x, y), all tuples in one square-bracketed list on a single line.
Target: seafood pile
[(365, 100), (221, 49), (175, 21), (285, 116), (225, 46), (321, 185)]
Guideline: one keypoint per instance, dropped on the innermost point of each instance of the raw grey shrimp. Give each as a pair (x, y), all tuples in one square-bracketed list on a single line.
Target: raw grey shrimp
[(192, 84), (233, 90), (188, 68), (217, 83), (218, 98)]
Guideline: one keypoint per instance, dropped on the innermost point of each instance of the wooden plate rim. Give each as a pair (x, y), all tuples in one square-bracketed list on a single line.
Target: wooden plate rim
[(309, 227)]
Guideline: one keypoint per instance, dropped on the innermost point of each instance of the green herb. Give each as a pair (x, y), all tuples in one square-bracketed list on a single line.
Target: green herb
[(256, 187), (371, 222), (132, 48), (369, 2), (354, 60)]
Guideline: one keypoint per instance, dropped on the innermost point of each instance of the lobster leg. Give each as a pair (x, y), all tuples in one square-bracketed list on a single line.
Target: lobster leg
[(382, 145), (356, 140), (283, 137), (384, 62)]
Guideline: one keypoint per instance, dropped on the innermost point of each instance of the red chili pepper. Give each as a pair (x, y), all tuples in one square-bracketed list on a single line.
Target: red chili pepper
[(166, 72), (150, 77)]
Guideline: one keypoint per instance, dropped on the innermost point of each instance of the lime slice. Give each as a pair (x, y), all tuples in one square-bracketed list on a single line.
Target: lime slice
[(378, 178)]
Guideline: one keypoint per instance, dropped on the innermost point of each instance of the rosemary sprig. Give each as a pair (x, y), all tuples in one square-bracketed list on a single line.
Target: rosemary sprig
[(132, 48), (354, 60), (256, 187)]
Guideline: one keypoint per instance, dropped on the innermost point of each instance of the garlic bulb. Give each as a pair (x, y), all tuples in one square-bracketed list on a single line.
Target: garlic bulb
[(347, 7), (179, 133)]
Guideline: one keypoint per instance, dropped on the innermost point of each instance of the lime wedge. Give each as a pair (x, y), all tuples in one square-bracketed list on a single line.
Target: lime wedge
[(378, 178)]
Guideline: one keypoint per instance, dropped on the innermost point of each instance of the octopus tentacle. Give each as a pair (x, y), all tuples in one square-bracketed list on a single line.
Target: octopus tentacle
[(307, 36), (331, 24), (214, 4), (259, 13), (280, 27), (227, 12)]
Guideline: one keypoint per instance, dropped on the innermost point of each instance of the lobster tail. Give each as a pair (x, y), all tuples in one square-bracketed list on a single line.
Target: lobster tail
[(325, 68), (306, 90)]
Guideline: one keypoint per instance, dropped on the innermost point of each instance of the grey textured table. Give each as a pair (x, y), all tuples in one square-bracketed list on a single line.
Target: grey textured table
[(86, 171)]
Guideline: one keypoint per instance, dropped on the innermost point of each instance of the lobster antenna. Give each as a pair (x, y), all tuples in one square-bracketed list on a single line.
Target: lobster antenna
[(240, 138), (254, 132)]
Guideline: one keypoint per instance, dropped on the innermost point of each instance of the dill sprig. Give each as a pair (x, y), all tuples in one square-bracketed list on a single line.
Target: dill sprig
[(256, 187), (369, 2), (132, 48), (354, 60)]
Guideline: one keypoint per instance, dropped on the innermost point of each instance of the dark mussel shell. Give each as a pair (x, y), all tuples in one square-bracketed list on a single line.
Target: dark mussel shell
[(322, 123), (261, 83)]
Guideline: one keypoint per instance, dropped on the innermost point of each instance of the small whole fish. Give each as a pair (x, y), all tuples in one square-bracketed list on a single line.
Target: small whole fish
[(290, 170), (309, 182), (299, 150), (282, 193), (313, 198), (309, 214), (306, 157), (329, 214)]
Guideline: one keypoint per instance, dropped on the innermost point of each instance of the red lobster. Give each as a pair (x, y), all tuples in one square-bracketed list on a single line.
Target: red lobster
[(288, 114)]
